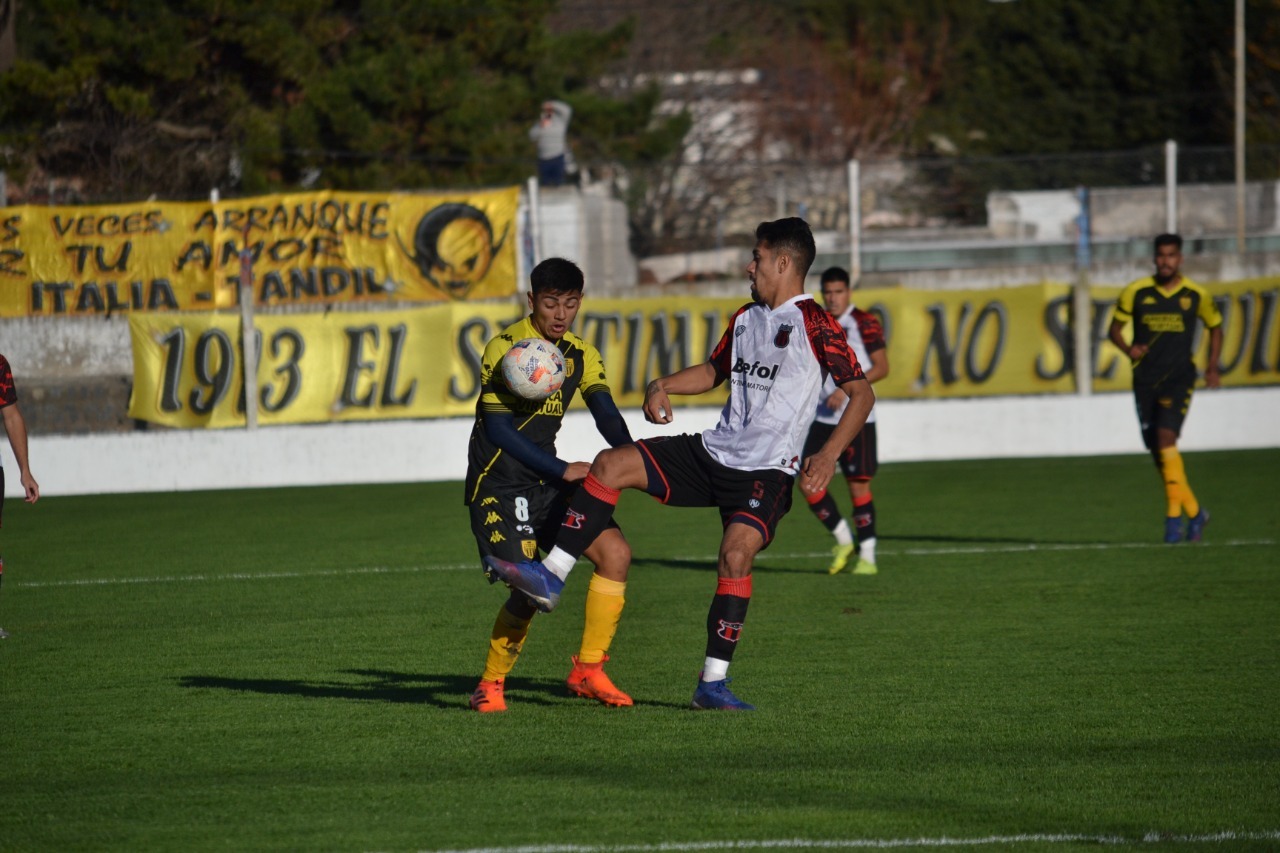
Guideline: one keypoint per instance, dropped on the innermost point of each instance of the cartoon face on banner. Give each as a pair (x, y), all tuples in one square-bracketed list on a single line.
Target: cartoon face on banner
[(453, 247)]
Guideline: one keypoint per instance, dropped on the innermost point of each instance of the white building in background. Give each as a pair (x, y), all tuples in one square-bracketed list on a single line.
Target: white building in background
[(1120, 212), (587, 226)]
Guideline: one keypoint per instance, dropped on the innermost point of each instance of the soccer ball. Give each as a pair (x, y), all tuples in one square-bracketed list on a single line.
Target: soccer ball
[(533, 369)]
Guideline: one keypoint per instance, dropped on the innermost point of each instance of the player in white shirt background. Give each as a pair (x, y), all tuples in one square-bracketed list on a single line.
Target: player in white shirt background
[(860, 460), (775, 353)]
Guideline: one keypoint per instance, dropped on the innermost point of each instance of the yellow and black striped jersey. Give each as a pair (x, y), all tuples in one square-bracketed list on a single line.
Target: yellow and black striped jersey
[(488, 465), (1165, 320)]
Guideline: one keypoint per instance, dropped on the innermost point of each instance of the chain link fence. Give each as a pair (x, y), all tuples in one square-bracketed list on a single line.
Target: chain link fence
[(701, 205)]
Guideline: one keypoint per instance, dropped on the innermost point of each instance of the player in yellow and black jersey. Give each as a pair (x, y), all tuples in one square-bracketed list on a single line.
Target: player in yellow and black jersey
[(1163, 309), (517, 488)]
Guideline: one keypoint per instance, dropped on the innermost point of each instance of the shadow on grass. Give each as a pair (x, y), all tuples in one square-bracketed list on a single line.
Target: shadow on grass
[(442, 691), (764, 565)]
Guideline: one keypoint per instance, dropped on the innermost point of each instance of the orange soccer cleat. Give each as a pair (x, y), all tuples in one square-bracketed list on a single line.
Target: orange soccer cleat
[(589, 680), (488, 698)]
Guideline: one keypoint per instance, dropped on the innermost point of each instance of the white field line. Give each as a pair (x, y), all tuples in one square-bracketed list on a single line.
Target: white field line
[(768, 556), (858, 843), (251, 576), (1032, 546)]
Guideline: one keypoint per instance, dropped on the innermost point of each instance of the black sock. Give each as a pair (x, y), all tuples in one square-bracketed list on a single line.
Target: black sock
[(727, 614), (590, 510), (864, 520), (826, 511)]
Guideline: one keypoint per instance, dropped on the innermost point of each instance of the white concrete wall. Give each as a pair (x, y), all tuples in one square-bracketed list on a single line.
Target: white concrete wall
[(425, 450)]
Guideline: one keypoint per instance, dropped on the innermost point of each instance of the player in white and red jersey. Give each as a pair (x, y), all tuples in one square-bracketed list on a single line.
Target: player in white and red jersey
[(860, 459), (775, 354)]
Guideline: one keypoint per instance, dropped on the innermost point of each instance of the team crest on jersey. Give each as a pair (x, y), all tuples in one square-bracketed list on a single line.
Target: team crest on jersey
[(783, 337), (529, 548), (568, 367), (1185, 303)]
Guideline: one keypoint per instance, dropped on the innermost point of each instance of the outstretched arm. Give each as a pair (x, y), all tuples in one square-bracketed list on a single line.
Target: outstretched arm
[(692, 380), (16, 427), (501, 427), (609, 421)]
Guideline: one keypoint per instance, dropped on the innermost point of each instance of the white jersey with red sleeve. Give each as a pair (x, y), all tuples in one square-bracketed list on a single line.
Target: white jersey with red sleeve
[(776, 361), (866, 335)]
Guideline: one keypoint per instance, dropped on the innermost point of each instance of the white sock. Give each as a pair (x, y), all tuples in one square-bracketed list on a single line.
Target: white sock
[(714, 669), (559, 562), (844, 536), (867, 549)]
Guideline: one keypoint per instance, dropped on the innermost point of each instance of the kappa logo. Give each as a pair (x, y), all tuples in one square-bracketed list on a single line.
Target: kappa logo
[(495, 537), (488, 502), (492, 518), (783, 337), (730, 631), (573, 519)]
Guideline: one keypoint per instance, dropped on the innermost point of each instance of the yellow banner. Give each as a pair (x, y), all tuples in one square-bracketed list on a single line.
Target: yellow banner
[(303, 249), (1250, 335), (971, 342), (425, 362), (337, 366)]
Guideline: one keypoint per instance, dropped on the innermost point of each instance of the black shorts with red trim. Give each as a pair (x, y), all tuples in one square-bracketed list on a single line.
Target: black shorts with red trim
[(682, 473), (860, 459)]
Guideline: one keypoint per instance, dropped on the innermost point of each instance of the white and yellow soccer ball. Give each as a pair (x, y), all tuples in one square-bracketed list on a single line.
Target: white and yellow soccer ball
[(533, 369)]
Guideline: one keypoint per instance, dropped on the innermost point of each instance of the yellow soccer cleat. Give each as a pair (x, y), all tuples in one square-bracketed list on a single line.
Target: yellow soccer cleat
[(864, 567), (589, 680), (488, 697), (840, 555)]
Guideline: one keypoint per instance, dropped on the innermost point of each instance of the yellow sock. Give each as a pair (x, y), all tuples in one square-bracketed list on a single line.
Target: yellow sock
[(604, 608), (1177, 491), (505, 643)]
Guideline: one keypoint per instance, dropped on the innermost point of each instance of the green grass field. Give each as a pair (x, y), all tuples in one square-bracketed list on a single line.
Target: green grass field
[(287, 669)]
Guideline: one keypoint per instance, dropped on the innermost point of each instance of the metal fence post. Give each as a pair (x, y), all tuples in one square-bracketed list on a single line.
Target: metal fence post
[(1171, 187), (1240, 109), (855, 221), (1081, 302), (248, 341)]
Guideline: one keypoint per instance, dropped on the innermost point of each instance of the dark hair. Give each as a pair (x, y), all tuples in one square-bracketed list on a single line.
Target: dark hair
[(792, 237), (556, 274), (835, 274), (1168, 240)]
